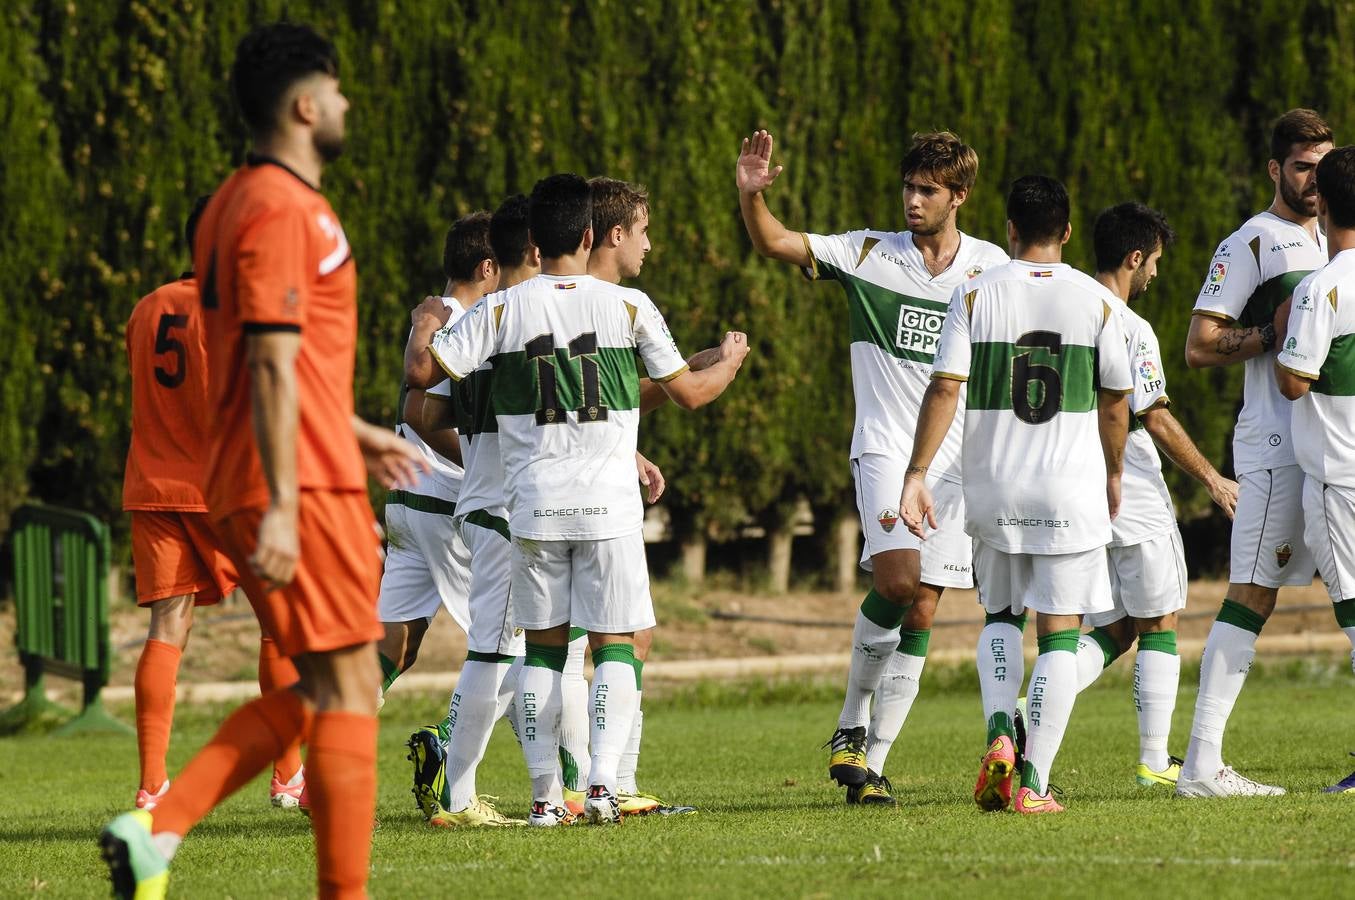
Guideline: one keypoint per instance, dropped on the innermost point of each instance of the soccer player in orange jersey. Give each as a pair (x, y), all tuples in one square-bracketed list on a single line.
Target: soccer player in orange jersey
[(177, 557), (286, 481)]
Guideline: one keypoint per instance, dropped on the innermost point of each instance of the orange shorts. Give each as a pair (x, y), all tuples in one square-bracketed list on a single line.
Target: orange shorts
[(178, 554), (331, 602)]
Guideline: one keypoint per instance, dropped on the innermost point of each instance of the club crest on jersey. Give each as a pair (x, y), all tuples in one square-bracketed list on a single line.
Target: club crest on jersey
[(888, 518), (1218, 273), (1283, 554), (973, 272)]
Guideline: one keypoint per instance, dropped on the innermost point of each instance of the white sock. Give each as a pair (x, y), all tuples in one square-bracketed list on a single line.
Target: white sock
[(167, 842), (1155, 681), (471, 715), (538, 703), (1091, 662), (630, 760), (1049, 706), (893, 700), (872, 647), (1001, 668), (614, 703), (1228, 653), (508, 688), (574, 718)]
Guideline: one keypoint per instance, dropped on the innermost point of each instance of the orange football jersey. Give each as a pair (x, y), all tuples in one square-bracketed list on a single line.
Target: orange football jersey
[(272, 256), (168, 454)]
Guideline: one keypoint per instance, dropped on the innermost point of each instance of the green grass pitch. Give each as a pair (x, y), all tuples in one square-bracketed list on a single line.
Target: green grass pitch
[(770, 822)]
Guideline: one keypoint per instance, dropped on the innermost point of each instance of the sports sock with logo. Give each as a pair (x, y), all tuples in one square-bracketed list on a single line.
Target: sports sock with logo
[(250, 738), (538, 701), (895, 695), (1001, 668), (341, 782), (616, 695), (574, 716), (874, 637), (275, 673), (1228, 653), (630, 759), (1049, 705), (157, 672), (471, 714), (1095, 651), (1345, 617), (1157, 670)]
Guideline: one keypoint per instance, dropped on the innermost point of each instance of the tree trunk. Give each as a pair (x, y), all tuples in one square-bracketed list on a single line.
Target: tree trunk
[(847, 551), (694, 557), (778, 558)]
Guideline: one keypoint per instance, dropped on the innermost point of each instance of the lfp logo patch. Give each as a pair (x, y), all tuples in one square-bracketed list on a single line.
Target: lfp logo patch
[(1147, 371), (1218, 273)]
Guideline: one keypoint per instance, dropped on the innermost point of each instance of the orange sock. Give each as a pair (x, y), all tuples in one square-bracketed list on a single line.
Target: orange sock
[(156, 674), (341, 781), (252, 736), (276, 672)]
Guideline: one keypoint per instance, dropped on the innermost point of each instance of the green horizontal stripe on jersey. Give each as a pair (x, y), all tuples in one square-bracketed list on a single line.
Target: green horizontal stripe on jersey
[(1337, 377), (517, 392), (421, 503), (482, 519), (991, 372), (472, 399), (1263, 302), (900, 325)]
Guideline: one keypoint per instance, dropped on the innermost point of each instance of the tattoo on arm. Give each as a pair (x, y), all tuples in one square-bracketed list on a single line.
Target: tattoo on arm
[(1231, 341), (919, 471)]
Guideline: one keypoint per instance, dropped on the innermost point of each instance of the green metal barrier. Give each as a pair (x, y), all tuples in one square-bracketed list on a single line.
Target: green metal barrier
[(61, 560)]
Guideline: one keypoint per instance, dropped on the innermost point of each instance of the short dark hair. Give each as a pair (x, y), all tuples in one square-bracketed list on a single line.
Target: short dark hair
[(268, 61), (1038, 206), (190, 226), (616, 202), (508, 231), (559, 212), (1298, 127), (1336, 184), (467, 245), (941, 157), (1127, 227)]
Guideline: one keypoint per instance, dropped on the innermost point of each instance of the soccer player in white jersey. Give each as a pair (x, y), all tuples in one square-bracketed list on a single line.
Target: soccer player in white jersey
[(1316, 369), (1147, 563), (1252, 273), (1043, 356), (566, 402), (897, 285), (427, 564)]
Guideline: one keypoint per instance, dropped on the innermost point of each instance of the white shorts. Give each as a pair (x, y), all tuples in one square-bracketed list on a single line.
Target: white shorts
[(427, 566), (1064, 584), (599, 586), (1268, 547), (946, 554), (1147, 579), (491, 565), (1329, 512)]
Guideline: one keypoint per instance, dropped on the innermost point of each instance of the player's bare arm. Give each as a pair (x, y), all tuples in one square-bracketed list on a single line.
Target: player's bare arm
[(652, 394), (1112, 419), (391, 460), (933, 421), (436, 418), (271, 358), (1212, 341), (1292, 385), (650, 477), (421, 370), (1173, 440), (753, 174), (693, 389)]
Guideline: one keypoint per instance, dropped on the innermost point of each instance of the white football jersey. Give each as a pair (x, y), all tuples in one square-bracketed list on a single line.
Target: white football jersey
[(1145, 505), (566, 397), (1321, 346), (1034, 342), (895, 308), (478, 432), (443, 478), (1251, 274)]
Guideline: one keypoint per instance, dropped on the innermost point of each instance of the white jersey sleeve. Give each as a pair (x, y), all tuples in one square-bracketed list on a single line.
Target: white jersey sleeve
[(1112, 364), (461, 346), (1234, 275), (1312, 326), (654, 342), (1150, 381), (953, 353), (842, 252)]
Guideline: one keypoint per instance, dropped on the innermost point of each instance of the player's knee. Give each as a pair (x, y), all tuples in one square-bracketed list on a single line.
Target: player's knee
[(643, 641), (171, 621), (1255, 597), (898, 587)]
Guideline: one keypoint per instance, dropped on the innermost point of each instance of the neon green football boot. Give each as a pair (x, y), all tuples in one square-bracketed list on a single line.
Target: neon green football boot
[(138, 869)]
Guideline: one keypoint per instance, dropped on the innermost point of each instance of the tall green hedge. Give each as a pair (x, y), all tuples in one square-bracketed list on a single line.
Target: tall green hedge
[(117, 116)]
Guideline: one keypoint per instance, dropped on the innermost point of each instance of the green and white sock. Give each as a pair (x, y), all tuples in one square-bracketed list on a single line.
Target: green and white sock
[(1157, 672), (574, 716), (1049, 705), (1228, 654), (471, 715), (1001, 669), (895, 695), (616, 697), (1095, 651), (874, 637), (538, 701)]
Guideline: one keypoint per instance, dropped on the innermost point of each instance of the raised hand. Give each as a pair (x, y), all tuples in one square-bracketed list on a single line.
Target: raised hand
[(754, 173), (734, 347)]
